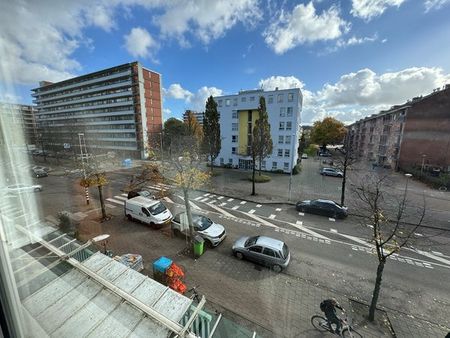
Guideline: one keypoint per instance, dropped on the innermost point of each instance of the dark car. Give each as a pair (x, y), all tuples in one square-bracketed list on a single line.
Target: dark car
[(322, 207), (40, 172), (143, 193), (263, 250), (331, 172)]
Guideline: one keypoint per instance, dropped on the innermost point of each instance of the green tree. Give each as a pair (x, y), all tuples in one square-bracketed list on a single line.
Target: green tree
[(211, 131), (172, 128), (301, 145), (328, 131)]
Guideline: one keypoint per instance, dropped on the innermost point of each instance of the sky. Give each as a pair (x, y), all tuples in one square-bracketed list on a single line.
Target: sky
[(351, 58)]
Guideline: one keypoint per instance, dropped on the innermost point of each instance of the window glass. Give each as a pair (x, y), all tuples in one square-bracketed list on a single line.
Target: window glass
[(280, 139), (234, 126), (270, 99), (280, 152), (227, 102), (280, 98), (157, 208), (287, 153), (269, 252), (282, 111), (281, 125), (290, 97), (256, 249)]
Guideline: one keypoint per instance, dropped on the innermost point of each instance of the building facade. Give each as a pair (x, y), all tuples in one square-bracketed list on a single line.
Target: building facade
[(238, 114), (21, 121), (116, 109), (414, 134), (198, 115)]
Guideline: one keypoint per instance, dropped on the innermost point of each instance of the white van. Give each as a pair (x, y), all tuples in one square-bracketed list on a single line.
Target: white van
[(148, 211)]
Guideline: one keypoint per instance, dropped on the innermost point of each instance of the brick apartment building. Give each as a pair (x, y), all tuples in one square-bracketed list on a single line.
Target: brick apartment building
[(413, 134), (116, 109)]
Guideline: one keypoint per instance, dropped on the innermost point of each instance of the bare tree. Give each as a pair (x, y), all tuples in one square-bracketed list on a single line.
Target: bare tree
[(96, 177), (385, 214), (346, 159)]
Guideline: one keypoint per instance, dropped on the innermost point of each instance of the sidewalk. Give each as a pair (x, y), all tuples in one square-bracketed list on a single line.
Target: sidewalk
[(273, 305)]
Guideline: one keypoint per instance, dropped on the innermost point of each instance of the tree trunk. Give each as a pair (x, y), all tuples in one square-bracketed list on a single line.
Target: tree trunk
[(253, 177), (102, 202), (260, 162), (189, 217), (376, 290), (344, 179), (212, 164)]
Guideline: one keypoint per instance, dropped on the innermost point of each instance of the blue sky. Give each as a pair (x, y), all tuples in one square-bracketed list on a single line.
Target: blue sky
[(351, 58)]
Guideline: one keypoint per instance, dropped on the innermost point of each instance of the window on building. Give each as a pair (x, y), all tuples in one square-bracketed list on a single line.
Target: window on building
[(235, 102), (227, 102), (234, 138), (282, 111), (281, 139), (280, 152), (287, 153), (270, 100), (219, 102), (233, 150), (290, 97), (287, 139), (243, 99), (281, 125), (274, 165), (289, 111), (234, 114), (234, 126), (252, 98), (289, 125), (286, 165), (280, 98), (263, 165)]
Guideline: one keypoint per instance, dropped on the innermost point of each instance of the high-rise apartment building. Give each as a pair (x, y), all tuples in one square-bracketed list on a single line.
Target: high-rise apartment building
[(238, 114), (116, 109), (21, 118), (198, 116)]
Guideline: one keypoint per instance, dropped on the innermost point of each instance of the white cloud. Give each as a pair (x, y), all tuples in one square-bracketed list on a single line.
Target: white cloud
[(304, 25), (352, 41), (175, 91), (368, 9), (206, 20), (435, 4), (280, 82), (140, 44)]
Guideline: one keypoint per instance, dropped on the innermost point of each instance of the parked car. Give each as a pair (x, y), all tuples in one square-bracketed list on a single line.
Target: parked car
[(22, 188), (322, 207), (212, 232), (263, 250), (331, 172), (304, 156), (143, 193), (148, 211), (40, 173)]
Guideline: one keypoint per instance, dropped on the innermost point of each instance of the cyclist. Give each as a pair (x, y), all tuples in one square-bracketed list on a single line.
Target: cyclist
[(328, 306)]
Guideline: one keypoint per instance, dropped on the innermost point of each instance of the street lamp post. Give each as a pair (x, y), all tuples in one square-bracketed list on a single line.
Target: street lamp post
[(408, 176), (423, 163), (86, 190)]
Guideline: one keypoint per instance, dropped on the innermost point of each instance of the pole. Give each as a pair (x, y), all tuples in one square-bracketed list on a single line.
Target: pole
[(86, 190), (292, 166), (423, 163), (161, 146)]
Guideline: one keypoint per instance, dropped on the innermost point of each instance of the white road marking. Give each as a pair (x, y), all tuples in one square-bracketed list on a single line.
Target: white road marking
[(357, 240), (430, 255), (190, 202), (301, 213), (235, 207), (221, 210), (259, 205), (115, 201), (243, 202), (331, 219), (207, 194), (198, 198), (125, 195), (252, 211), (154, 187), (167, 199), (230, 199), (309, 231), (220, 197), (334, 230), (299, 223), (121, 198), (370, 225), (418, 235), (272, 216), (223, 204), (261, 220), (109, 205), (204, 200), (438, 253), (278, 209)]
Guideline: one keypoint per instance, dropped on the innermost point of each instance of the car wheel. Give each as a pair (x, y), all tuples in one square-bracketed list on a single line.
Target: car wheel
[(276, 268), (37, 189), (129, 217), (239, 255)]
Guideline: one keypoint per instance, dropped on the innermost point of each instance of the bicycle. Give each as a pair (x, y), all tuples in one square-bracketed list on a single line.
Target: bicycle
[(195, 296), (321, 324)]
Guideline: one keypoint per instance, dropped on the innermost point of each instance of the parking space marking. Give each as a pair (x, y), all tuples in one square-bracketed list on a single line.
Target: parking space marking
[(243, 202), (259, 205), (272, 216), (252, 211), (278, 209), (331, 219), (235, 207), (301, 213), (230, 199)]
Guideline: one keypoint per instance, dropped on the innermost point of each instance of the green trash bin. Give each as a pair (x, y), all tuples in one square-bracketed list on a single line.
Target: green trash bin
[(199, 245)]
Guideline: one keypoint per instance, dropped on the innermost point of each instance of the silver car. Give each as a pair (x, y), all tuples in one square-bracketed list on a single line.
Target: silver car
[(263, 250), (21, 188)]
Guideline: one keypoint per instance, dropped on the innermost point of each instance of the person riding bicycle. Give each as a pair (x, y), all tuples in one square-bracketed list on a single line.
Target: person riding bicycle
[(328, 306)]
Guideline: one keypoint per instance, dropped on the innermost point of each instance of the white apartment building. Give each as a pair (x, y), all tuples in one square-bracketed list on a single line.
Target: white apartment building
[(238, 114)]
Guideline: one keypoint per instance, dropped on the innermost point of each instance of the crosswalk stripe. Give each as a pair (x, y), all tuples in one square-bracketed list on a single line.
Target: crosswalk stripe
[(262, 220), (204, 200), (195, 206), (252, 211), (230, 199), (299, 222), (272, 216), (259, 205), (334, 230), (198, 198), (154, 188), (235, 207), (167, 199), (115, 201), (278, 209), (309, 231), (222, 204), (220, 197), (207, 194), (221, 210), (121, 198), (331, 219), (124, 195), (243, 202), (301, 213)]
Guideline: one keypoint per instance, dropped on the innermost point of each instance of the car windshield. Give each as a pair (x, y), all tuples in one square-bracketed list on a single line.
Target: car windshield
[(157, 208), (251, 241), (201, 222)]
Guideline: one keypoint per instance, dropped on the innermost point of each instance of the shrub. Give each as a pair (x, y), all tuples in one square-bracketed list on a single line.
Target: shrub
[(297, 169), (312, 150), (259, 179)]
